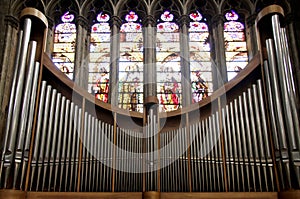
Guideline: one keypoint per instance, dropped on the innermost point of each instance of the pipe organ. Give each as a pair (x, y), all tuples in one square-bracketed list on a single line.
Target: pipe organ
[(243, 138)]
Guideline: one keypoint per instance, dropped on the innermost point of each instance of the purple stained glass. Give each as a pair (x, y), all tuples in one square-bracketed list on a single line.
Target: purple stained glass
[(231, 16), (67, 17)]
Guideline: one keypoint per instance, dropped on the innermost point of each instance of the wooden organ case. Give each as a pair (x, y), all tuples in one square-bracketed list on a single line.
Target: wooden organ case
[(240, 142)]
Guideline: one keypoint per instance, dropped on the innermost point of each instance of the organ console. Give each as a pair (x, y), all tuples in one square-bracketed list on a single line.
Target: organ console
[(61, 141)]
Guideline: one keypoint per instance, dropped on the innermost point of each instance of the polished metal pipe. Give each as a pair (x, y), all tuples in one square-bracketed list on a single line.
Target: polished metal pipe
[(84, 156), (57, 160), (41, 149), (68, 149), (42, 101), (19, 87), (227, 147), (281, 142), (54, 139), (24, 117), (241, 161), (11, 101), (17, 123), (30, 122), (249, 139), (64, 143), (234, 145), (254, 138), (261, 144), (73, 158), (46, 160), (244, 142)]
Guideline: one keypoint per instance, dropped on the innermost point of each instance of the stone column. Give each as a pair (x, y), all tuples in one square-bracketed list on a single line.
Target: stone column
[(115, 24), (81, 52), (251, 37), (149, 33), (7, 71), (217, 39), (184, 23), (50, 39)]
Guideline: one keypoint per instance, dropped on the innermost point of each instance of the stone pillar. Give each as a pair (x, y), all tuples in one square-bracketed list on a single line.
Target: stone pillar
[(81, 52), (184, 23), (50, 39), (149, 33), (115, 24), (251, 37), (217, 39), (7, 72)]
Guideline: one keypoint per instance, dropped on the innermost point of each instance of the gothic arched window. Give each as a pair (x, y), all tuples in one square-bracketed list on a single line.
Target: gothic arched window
[(200, 61), (64, 45), (131, 64), (235, 44), (168, 63), (100, 58)]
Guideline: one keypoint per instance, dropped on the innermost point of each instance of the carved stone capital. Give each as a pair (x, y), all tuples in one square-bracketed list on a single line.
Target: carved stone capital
[(12, 21), (217, 19), (251, 20), (50, 22), (184, 20), (82, 21), (115, 21), (149, 20)]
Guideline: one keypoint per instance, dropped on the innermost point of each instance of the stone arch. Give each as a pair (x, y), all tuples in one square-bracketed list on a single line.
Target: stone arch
[(56, 9), (90, 9), (159, 6), (19, 5), (207, 8), (244, 8), (140, 8)]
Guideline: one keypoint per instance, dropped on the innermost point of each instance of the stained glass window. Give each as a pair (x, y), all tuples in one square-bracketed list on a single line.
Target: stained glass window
[(168, 63), (131, 64), (64, 45), (100, 58), (200, 62), (235, 44)]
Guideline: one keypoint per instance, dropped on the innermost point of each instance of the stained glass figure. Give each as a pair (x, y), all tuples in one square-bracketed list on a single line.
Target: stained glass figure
[(100, 58), (235, 44), (168, 63), (64, 45), (200, 62), (131, 64)]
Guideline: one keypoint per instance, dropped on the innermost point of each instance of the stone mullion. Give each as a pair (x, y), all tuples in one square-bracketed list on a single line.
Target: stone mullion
[(185, 61), (149, 31), (81, 52), (8, 67), (114, 61), (251, 37), (219, 70), (50, 39)]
